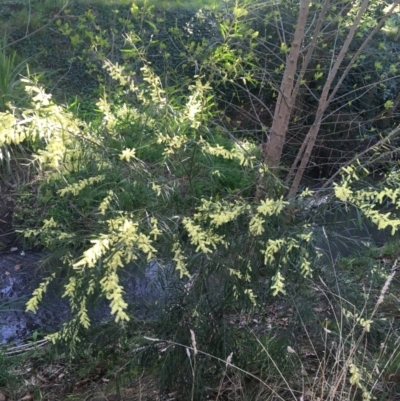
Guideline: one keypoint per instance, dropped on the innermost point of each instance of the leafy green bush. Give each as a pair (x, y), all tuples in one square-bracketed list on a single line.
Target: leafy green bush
[(186, 202), (151, 175)]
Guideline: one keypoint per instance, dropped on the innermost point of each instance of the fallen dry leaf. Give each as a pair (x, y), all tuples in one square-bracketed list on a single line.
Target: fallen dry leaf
[(42, 378), (17, 267), (81, 383), (27, 397), (13, 249), (2, 397), (290, 350)]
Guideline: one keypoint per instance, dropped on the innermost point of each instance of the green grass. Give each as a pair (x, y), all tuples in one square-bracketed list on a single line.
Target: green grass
[(30, 15), (165, 4), (159, 4)]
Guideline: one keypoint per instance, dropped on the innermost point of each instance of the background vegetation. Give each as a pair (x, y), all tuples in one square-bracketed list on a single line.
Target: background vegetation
[(137, 137)]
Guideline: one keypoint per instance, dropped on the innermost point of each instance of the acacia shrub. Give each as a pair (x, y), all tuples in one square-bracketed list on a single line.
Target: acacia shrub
[(130, 188), (103, 208)]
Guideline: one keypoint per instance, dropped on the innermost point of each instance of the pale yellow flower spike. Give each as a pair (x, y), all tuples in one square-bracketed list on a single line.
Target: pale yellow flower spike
[(278, 284), (343, 192), (76, 188), (204, 240), (127, 154), (256, 225), (104, 205), (33, 304), (155, 232), (180, 260), (270, 207)]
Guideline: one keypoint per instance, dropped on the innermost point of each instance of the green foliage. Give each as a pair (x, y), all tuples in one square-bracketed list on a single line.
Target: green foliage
[(368, 198), (10, 83), (146, 169), (11, 93), (185, 198)]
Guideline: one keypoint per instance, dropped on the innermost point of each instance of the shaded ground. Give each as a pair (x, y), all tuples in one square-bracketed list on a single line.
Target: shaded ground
[(19, 276)]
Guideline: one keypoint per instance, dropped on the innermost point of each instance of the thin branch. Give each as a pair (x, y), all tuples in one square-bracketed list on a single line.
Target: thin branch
[(29, 18)]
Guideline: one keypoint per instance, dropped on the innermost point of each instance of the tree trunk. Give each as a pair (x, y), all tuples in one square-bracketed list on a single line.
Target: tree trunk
[(272, 150)]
